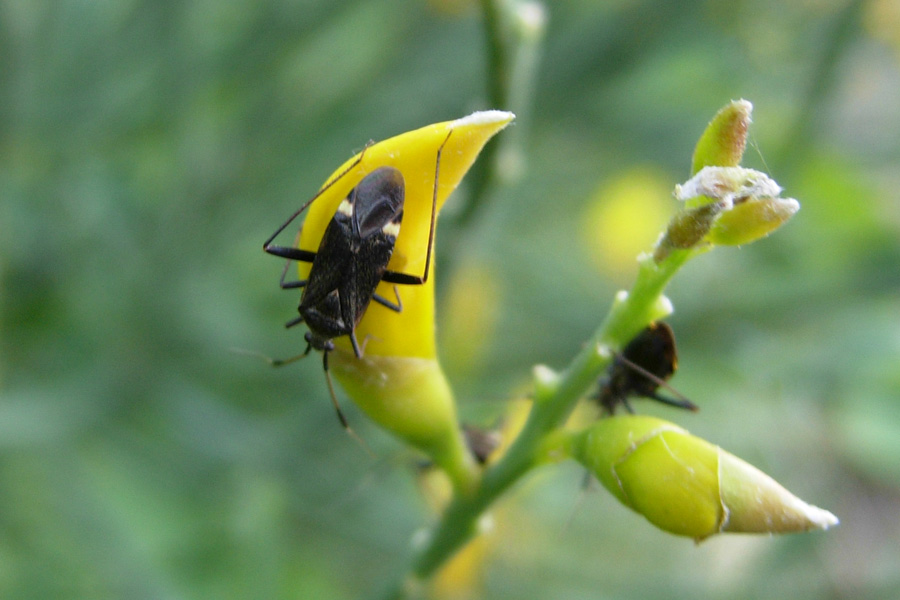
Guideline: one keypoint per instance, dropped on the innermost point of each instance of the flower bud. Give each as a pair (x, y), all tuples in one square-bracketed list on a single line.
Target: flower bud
[(409, 397), (727, 206), (722, 143), (687, 486), (687, 229), (751, 220)]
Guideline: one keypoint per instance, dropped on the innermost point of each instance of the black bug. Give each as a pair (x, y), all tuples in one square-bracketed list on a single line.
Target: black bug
[(481, 441), (641, 369), (351, 261)]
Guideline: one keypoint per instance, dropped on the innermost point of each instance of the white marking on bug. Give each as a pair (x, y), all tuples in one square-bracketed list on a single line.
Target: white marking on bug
[(345, 208), (392, 229)]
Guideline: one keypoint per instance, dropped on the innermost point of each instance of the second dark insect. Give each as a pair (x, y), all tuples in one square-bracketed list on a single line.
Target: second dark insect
[(641, 369)]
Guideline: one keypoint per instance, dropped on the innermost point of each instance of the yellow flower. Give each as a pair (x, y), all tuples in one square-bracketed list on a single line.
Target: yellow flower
[(623, 218), (398, 382), (410, 332)]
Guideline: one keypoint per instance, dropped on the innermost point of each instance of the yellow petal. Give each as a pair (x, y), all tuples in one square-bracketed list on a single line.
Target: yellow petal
[(398, 382), (410, 332)]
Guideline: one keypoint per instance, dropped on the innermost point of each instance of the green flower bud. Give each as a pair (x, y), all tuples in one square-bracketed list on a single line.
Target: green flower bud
[(687, 229), (727, 206), (411, 398), (686, 485), (751, 220), (722, 143)]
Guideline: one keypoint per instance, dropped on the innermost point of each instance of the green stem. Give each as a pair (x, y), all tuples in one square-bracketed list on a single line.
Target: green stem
[(513, 48), (555, 398), (844, 30), (495, 26)]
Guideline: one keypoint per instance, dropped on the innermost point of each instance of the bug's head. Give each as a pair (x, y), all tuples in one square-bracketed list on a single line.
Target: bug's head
[(378, 201), (318, 342)]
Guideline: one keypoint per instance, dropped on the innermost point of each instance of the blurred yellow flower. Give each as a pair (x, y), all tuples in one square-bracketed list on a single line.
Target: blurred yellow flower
[(624, 218), (469, 318)]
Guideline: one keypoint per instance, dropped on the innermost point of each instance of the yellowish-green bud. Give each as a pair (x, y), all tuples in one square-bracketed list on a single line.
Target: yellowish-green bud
[(724, 203), (686, 485), (687, 229), (722, 143), (751, 220), (727, 206)]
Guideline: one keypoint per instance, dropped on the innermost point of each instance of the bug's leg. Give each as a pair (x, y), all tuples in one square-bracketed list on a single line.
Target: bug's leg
[(356, 349), (291, 285), (680, 403), (294, 321), (275, 362), (607, 403), (291, 253), (587, 484), (337, 407), (404, 278), (398, 307), (295, 253)]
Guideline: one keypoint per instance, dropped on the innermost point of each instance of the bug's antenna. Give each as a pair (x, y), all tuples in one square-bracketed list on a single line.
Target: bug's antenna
[(434, 195), (267, 244), (405, 278), (681, 402)]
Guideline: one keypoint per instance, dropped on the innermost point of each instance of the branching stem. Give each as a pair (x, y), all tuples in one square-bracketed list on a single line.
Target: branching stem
[(554, 399)]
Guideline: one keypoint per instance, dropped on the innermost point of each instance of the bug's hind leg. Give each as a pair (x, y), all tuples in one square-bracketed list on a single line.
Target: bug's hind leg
[(337, 407)]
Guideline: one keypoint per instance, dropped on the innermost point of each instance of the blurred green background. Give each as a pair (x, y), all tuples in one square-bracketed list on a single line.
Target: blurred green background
[(148, 148)]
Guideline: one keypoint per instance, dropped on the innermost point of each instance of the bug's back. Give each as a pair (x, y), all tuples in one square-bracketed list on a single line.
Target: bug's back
[(353, 256)]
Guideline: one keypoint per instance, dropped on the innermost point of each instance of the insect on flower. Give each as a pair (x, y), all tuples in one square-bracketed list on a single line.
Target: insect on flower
[(351, 261), (641, 369)]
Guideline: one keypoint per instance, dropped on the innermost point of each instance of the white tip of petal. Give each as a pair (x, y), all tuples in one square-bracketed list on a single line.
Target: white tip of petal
[(821, 517), (484, 117)]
